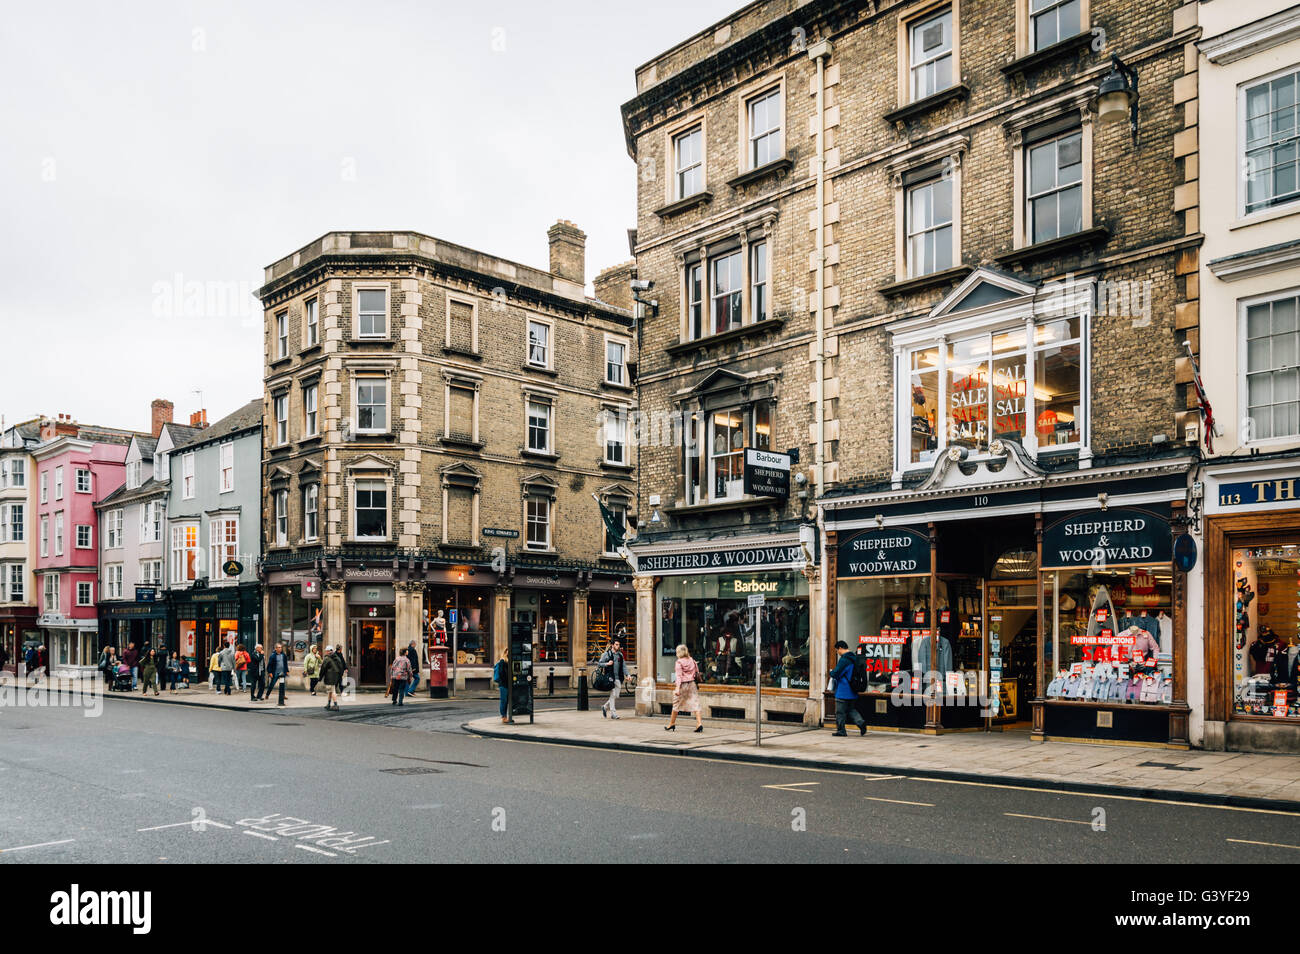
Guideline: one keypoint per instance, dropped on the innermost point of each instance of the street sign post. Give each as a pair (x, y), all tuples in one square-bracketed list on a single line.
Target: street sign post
[(756, 602)]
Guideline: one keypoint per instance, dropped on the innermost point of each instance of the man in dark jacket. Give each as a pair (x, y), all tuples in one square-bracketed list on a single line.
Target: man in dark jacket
[(846, 700), (131, 659), (256, 673), (277, 671), (413, 655)]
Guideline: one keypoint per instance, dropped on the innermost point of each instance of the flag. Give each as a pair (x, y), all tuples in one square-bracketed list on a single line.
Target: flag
[(613, 524)]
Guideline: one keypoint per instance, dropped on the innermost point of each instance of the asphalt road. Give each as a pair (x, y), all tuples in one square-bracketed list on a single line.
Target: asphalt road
[(147, 783)]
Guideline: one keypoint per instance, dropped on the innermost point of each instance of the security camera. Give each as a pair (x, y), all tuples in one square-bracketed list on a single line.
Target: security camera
[(642, 284), (800, 479)]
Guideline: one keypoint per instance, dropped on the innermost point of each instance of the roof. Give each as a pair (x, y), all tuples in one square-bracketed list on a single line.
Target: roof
[(150, 488), (182, 433), (147, 445), (246, 418)]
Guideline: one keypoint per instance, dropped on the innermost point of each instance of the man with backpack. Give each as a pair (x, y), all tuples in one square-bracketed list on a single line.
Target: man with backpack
[(847, 671)]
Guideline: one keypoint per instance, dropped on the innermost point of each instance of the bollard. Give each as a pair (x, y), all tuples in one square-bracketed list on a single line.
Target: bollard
[(582, 691), (550, 681)]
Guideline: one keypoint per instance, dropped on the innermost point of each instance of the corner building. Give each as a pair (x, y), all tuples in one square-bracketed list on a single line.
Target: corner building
[(910, 244), (437, 422)]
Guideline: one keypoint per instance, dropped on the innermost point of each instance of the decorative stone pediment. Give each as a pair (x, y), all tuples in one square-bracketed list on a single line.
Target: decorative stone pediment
[(982, 288), (1007, 462), (371, 462)]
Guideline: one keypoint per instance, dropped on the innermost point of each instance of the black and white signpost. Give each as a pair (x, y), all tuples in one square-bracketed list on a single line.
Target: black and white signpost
[(756, 603)]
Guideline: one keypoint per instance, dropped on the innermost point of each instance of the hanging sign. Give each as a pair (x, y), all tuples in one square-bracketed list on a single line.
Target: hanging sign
[(893, 551), (1099, 538), (767, 474), (1185, 552)]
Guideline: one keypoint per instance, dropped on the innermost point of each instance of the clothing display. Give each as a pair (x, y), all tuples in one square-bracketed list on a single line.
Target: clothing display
[(1106, 683), (921, 654)]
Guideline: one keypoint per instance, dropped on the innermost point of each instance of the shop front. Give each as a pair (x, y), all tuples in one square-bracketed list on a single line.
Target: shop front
[(202, 621), (1251, 573), (372, 638), (998, 596), (17, 632), (71, 644), (293, 611), (699, 597), (141, 621)]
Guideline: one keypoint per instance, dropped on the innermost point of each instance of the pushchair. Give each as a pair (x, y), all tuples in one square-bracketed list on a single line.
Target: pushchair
[(121, 679)]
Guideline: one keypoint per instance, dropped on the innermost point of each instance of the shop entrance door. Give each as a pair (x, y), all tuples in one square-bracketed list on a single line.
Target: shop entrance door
[(204, 646), (371, 647), (1013, 630)]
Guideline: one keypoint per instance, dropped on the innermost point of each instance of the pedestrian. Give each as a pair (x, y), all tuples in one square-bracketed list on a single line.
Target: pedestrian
[(43, 661), (226, 660), (846, 699), (214, 671), (173, 671), (131, 659), (256, 674), (399, 675), (612, 659), (107, 664), (185, 671), (331, 673), (501, 674), (29, 661), (241, 666), (149, 673), (277, 671), (311, 667), (4, 657), (413, 655), (686, 697)]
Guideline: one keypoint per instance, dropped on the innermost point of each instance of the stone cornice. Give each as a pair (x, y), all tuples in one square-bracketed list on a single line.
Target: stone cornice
[(1243, 41)]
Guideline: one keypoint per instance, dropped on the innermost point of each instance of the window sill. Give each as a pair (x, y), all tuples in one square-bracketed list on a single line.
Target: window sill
[(775, 167), (739, 503), (376, 342), (280, 362), (931, 102), (540, 551), (551, 372), (1061, 50), (1248, 219), (462, 440), (538, 455), (611, 465), (735, 334), (460, 547), (949, 276), (361, 436), (462, 353), (309, 441), (681, 205), (1066, 243), (613, 386), (309, 350)]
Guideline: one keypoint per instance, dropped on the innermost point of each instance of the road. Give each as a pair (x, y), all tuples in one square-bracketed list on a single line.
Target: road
[(149, 783)]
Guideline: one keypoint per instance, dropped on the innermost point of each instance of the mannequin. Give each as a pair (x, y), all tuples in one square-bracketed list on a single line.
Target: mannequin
[(551, 637), (727, 645), (1166, 632), (438, 629)]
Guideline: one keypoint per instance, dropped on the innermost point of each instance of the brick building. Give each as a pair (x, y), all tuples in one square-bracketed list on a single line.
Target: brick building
[(912, 244), (427, 404)]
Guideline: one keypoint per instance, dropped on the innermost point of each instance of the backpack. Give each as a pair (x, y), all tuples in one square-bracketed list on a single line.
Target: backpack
[(858, 675)]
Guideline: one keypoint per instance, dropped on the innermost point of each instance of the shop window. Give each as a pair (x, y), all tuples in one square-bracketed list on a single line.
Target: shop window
[(1271, 140), (466, 613), (711, 617), (1112, 634), (1264, 604), (611, 616), (715, 445), (547, 613), (1272, 368)]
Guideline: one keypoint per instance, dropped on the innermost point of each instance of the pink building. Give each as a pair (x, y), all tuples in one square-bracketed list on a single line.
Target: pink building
[(76, 465)]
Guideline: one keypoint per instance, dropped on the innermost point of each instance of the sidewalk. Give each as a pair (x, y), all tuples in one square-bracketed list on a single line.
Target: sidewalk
[(1010, 758)]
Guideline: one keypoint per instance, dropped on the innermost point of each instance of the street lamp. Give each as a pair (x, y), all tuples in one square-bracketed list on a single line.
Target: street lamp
[(1117, 96)]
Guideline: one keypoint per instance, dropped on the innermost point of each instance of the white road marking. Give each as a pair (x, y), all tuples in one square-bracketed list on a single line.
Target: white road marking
[(258, 834), (44, 844), (264, 785), (196, 823), (1267, 844), (880, 778), (1063, 821), (793, 787), (316, 851), (899, 801)]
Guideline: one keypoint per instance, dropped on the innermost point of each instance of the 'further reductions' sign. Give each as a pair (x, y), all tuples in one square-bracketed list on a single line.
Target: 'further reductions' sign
[(767, 474), (894, 551), (717, 561), (1099, 538)]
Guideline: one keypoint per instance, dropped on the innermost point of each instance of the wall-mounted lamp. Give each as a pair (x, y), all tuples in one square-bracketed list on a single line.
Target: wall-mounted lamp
[(1117, 96)]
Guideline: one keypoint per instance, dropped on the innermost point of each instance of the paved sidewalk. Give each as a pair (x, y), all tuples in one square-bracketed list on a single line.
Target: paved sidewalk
[(1218, 778)]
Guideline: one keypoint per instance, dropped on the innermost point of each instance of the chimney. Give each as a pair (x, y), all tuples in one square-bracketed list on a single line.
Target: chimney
[(62, 425), (199, 418), (613, 286), (568, 251), (161, 413)]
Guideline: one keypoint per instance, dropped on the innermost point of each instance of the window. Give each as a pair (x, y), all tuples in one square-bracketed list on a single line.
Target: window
[(930, 54), (17, 472), (928, 223), (52, 602), (615, 361), (1272, 142), (113, 534), (226, 464), (725, 292), (150, 572), (16, 523), (462, 335), (1263, 669), (695, 300), (983, 380), (185, 552), (309, 399), (310, 512), (688, 162), (58, 533), (281, 518), (58, 483), (187, 476), (282, 419), (83, 481), (45, 491), (84, 541), (372, 313), (460, 412), (618, 509), (223, 544), (1055, 176), (371, 498), (614, 427), (133, 470), (758, 282), (45, 536), (85, 593), (17, 577), (539, 426), (764, 128), (539, 344), (112, 582), (312, 321), (151, 525), (537, 514), (1272, 365), (372, 405), (282, 335), (1051, 21), (715, 447)]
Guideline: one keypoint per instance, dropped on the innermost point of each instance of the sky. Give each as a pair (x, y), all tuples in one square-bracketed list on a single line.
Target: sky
[(156, 156)]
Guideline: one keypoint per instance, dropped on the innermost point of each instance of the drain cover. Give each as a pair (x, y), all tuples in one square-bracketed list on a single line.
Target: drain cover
[(1169, 765), (412, 770)]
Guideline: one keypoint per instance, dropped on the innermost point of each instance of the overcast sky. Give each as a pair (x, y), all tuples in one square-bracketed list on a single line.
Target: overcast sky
[(149, 146)]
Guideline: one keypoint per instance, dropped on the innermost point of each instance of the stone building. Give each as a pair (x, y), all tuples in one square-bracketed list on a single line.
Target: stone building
[(437, 424), (913, 247)]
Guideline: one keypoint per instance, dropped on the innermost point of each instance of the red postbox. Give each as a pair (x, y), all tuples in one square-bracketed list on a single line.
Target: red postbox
[(437, 672)]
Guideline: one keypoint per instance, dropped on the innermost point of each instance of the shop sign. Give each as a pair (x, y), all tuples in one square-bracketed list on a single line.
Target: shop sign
[(751, 586), (1185, 552), (310, 589), (377, 573), (894, 551), (767, 474), (361, 593), (232, 568), (717, 561), (1250, 493), (146, 594), (1107, 538)]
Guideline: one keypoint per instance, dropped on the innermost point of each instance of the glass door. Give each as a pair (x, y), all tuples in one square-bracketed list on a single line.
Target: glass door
[(371, 647)]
